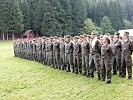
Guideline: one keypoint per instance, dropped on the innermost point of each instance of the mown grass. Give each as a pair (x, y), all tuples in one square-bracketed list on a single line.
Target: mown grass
[(25, 80)]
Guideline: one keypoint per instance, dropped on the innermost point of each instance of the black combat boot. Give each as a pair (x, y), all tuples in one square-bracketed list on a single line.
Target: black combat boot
[(129, 77), (108, 82), (80, 71), (68, 70), (92, 75), (73, 70), (88, 75), (120, 74), (84, 73), (99, 77), (76, 72), (103, 79), (114, 73), (123, 76)]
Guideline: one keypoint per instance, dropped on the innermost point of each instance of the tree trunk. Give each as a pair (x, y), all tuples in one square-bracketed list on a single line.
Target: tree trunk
[(13, 36), (3, 36), (7, 36)]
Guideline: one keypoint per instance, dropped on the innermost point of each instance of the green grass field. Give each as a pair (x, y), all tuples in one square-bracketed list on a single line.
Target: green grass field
[(25, 80)]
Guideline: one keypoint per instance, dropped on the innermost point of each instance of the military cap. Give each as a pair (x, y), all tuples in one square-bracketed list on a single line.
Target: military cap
[(51, 37), (76, 37), (107, 34), (81, 36), (55, 37), (67, 36), (85, 35), (43, 37)]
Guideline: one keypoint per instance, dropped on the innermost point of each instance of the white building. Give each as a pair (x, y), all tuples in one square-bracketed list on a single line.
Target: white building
[(127, 30)]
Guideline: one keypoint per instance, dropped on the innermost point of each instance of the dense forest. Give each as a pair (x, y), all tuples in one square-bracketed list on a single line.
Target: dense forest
[(60, 17)]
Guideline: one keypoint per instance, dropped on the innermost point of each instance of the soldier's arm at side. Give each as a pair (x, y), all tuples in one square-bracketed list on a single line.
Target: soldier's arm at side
[(99, 46), (88, 47), (111, 50), (131, 46)]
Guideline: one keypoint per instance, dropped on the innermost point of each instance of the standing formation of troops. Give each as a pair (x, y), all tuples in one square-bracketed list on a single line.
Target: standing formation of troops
[(83, 54)]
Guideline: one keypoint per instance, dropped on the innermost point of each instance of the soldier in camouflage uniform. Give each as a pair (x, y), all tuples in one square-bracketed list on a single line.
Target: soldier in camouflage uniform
[(85, 46), (56, 52), (21, 48), (28, 49), (34, 50), (50, 52), (106, 59), (117, 48), (77, 56), (31, 50), (94, 60), (126, 60), (46, 47), (24, 48), (68, 53), (18, 48), (62, 54), (43, 50), (39, 50)]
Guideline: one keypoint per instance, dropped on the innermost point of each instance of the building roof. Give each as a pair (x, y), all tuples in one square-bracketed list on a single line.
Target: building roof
[(29, 31)]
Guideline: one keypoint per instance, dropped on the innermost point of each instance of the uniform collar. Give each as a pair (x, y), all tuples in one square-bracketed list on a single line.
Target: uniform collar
[(126, 40)]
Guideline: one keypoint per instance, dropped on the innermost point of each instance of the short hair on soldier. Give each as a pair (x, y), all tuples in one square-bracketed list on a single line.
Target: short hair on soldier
[(84, 35), (126, 33)]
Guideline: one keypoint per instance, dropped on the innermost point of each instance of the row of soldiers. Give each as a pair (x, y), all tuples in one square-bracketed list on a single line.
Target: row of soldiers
[(81, 54)]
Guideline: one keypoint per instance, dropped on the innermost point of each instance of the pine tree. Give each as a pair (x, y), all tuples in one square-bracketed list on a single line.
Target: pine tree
[(51, 22), (26, 14), (3, 26), (128, 10), (38, 15), (13, 16), (89, 26), (115, 15), (66, 22), (79, 15), (128, 25), (32, 4), (106, 25)]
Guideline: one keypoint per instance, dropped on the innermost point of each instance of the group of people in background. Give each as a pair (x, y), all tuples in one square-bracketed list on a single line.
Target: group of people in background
[(84, 54)]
